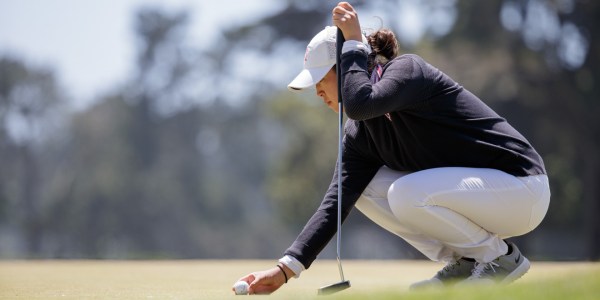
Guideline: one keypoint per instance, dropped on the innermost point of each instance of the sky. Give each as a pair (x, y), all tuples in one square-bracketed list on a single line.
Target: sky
[(90, 45)]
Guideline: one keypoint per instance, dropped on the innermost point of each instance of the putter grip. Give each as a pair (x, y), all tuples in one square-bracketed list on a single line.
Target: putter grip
[(339, 43)]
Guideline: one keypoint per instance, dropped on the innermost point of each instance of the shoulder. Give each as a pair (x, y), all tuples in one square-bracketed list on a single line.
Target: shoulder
[(409, 57), (409, 60), (407, 66), (419, 67)]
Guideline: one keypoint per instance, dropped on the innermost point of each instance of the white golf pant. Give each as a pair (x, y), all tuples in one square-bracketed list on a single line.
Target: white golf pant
[(447, 213)]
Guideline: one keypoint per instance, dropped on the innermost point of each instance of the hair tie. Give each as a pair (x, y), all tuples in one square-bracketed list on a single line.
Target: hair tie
[(282, 271)]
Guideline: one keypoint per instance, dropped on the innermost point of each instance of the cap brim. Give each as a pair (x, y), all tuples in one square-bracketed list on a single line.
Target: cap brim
[(308, 78)]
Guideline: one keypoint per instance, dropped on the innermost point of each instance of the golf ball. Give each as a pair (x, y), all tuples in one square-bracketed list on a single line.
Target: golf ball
[(241, 288)]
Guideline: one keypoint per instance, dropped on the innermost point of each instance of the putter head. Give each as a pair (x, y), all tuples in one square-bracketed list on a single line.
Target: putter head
[(334, 288)]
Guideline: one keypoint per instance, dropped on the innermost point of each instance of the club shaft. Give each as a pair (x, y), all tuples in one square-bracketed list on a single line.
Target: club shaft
[(339, 208), (339, 42)]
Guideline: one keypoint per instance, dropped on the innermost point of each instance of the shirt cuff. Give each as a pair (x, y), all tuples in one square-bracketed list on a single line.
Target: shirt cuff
[(355, 45), (292, 263)]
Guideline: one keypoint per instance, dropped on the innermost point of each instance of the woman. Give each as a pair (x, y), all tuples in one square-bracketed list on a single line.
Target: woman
[(424, 158)]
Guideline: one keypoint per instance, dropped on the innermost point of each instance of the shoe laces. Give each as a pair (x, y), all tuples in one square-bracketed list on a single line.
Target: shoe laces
[(480, 269), (450, 265)]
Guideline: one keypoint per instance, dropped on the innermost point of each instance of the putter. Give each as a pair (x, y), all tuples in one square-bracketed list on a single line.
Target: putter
[(343, 284)]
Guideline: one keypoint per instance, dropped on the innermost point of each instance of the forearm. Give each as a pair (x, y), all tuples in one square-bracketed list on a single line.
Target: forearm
[(317, 232), (401, 86), (322, 226)]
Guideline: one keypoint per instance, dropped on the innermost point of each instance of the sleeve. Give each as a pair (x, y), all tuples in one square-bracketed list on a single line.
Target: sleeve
[(322, 226), (402, 84), (355, 45)]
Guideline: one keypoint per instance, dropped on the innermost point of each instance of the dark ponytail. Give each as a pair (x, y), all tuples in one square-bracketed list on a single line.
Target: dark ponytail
[(384, 47)]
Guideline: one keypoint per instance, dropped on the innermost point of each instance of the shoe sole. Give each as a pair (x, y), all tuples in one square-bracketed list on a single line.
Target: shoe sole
[(426, 284), (518, 272)]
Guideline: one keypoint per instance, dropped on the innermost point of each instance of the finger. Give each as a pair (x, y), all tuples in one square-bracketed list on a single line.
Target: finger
[(342, 15), (343, 4), (339, 19), (340, 12), (263, 290), (337, 11), (254, 284), (346, 6), (248, 278)]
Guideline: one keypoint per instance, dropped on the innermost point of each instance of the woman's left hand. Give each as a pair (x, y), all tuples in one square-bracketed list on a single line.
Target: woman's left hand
[(264, 282), (346, 18)]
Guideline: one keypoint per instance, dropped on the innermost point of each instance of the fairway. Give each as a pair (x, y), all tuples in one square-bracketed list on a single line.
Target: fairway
[(212, 279)]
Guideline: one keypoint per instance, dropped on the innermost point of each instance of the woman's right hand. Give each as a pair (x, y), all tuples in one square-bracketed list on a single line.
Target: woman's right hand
[(267, 281), (346, 19)]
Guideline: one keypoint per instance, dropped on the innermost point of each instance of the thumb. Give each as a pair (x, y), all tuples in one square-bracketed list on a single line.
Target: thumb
[(346, 5), (253, 282)]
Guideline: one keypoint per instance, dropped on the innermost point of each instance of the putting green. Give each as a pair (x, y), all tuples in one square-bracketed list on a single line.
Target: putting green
[(212, 279)]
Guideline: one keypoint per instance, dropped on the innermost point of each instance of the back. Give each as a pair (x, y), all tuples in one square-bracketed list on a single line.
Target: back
[(435, 122)]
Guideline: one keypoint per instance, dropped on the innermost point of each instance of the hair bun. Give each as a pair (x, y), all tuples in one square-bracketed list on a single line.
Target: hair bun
[(384, 46)]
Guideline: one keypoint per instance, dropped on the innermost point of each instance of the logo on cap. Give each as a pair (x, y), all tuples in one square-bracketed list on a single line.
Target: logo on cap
[(306, 55)]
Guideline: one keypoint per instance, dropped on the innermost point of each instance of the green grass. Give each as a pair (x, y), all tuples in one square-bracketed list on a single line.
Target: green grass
[(212, 279), (584, 285)]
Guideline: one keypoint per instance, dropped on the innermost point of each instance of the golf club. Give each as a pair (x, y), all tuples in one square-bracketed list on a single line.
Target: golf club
[(343, 284)]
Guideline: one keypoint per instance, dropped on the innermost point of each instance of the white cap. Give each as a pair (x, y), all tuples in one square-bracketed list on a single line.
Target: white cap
[(318, 59)]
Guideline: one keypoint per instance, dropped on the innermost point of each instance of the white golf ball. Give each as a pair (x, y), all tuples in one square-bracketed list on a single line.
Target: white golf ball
[(241, 288)]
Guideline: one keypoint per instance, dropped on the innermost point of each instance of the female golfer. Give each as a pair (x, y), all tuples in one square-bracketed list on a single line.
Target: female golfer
[(423, 157)]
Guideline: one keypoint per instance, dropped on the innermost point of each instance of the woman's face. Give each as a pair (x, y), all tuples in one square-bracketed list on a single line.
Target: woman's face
[(327, 90)]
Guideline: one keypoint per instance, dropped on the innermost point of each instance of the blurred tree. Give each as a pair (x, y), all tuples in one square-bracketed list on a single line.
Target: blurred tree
[(301, 173), (30, 99), (562, 88), (200, 148), (157, 171), (134, 171), (532, 60), (301, 131)]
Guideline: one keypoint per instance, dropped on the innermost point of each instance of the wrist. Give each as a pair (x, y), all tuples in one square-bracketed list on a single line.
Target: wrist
[(355, 45), (354, 37), (284, 272), (294, 266)]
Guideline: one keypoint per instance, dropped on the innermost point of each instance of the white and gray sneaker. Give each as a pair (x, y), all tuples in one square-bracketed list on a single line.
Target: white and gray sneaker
[(504, 269), (453, 272)]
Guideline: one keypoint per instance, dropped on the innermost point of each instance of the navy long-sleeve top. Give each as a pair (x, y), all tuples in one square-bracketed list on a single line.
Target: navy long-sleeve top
[(414, 118)]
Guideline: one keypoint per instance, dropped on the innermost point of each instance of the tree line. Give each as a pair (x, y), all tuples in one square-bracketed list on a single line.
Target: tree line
[(176, 162)]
